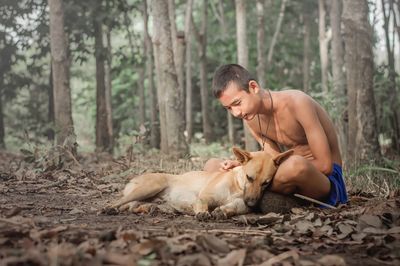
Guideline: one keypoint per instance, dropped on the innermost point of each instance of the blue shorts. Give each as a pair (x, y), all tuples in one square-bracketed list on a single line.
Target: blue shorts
[(338, 193)]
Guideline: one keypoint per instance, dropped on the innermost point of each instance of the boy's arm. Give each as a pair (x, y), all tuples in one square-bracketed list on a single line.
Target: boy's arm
[(306, 114), (269, 145)]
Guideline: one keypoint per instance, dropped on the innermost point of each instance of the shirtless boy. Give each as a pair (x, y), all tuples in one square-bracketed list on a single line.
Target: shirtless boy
[(292, 119)]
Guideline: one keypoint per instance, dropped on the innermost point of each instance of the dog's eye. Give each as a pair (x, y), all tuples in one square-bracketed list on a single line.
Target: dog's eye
[(265, 183), (250, 178)]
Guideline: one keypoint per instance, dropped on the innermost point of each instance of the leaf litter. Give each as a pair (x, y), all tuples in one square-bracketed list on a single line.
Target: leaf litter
[(50, 215)]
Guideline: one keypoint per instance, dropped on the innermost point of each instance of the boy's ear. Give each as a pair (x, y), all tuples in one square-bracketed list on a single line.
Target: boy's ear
[(278, 159), (253, 86), (241, 155)]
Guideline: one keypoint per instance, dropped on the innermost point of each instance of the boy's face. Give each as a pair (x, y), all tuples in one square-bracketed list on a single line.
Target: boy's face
[(240, 103)]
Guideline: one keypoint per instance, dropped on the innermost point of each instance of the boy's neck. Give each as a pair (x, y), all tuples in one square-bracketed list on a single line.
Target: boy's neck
[(268, 102)]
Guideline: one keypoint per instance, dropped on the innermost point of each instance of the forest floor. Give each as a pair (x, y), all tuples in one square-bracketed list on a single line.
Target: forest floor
[(50, 214)]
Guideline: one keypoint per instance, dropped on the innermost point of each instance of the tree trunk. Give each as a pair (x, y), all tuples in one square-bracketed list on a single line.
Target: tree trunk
[(169, 98), (207, 130), (188, 37), (276, 33), (103, 141), (243, 60), (178, 44), (231, 122), (220, 15), (50, 114), (141, 71), (108, 83), (2, 131), (60, 65), (306, 46), (393, 102), (140, 82), (323, 45), (339, 87), (359, 66), (261, 42), (154, 121)]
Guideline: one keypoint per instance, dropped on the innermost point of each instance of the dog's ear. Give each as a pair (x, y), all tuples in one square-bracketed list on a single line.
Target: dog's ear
[(278, 159), (241, 155)]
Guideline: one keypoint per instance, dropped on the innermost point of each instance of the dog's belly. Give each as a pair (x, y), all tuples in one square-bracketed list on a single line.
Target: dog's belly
[(180, 199), (183, 190)]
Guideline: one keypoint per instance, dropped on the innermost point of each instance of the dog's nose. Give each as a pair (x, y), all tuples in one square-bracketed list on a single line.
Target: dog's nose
[(251, 202)]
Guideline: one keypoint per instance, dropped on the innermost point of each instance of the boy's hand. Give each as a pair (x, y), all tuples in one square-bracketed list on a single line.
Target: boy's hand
[(228, 164)]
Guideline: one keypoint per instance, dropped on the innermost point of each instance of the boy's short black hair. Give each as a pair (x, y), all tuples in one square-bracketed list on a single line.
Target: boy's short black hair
[(230, 73)]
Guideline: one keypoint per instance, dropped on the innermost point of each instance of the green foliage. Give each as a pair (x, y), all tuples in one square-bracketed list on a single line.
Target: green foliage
[(212, 150)]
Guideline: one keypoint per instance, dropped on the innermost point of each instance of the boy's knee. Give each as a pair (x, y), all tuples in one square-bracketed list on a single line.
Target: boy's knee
[(292, 169), (212, 165), (297, 166)]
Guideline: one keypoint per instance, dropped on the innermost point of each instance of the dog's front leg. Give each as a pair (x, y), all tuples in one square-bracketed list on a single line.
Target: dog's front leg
[(235, 207), (200, 209)]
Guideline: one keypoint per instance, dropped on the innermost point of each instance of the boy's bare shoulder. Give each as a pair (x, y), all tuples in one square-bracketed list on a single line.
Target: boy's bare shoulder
[(296, 98)]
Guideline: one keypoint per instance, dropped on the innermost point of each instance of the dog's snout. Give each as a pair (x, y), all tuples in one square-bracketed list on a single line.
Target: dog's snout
[(251, 202)]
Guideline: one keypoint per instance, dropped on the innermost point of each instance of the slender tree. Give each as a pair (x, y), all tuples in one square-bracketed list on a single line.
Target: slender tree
[(188, 64), (261, 42), (2, 131), (178, 45), (50, 114), (393, 102), (108, 83), (362, 139), (276, 33), (219, 13), (169, 98), (323, 45), (243, 59), (103, 140), (338, 76), (60, 67), (306, 45), (154, 121), (207, 130), (141, 90)]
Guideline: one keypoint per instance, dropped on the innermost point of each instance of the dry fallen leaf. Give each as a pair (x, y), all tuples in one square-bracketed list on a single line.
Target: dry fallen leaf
[(213, 243), (368, 220), (233, 258), (283, 256), (304, 226), (47, 233), (76, 211), (260, 255), (332, 260), (195, 259), (148, 246), (344, 230)]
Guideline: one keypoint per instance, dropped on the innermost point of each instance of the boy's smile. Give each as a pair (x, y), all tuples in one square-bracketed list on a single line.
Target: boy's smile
[(240, 103)]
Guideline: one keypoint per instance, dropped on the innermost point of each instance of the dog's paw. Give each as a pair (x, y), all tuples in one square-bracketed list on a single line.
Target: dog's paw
[(203, 216), (218, 214)]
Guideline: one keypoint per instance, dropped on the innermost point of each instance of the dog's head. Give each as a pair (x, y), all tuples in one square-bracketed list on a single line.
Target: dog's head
[(259, 169)]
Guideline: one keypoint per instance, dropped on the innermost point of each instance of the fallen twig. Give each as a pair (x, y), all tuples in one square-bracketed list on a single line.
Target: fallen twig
[(315, 201), (232, 231)]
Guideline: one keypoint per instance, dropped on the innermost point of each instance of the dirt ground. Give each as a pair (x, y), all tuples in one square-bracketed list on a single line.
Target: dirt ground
[(50, 214)]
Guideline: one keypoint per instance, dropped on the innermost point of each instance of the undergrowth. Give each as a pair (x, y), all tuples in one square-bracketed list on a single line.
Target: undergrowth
[(379, 179)]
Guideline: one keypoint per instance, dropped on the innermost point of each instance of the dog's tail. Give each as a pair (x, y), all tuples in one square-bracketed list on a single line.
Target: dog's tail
[(143, 187)]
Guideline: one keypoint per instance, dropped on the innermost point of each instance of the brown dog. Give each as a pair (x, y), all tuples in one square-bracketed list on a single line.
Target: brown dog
[(226, 193)]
